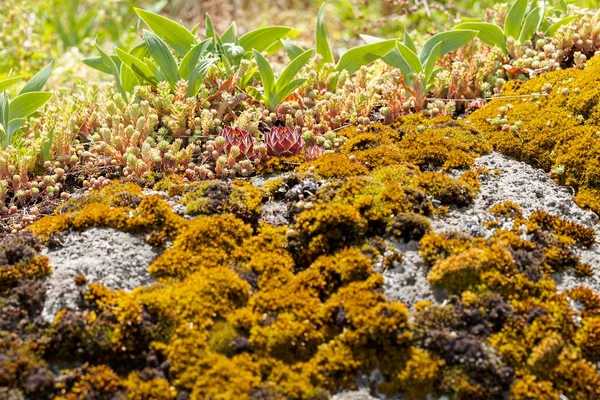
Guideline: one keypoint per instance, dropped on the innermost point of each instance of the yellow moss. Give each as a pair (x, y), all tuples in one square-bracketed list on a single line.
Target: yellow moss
[(420, 374), (37, 267), (328, 227), (588, 338), (446, 189), (529, 387), (556, 132), (458, 272), (334, 165), (153, 389), (507, 209)]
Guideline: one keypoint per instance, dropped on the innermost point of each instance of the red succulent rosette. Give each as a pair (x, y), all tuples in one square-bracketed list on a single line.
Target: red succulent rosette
[(282, 141), (240, 138)]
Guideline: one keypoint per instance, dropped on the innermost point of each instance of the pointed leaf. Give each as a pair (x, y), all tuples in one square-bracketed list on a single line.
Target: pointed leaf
[(162, 56), (7, 83), (130, 79), (322, 45), (355, 58), (292, 69), (110, 63), (197, 76), (434, 56), (154, 68), (176, 35), (136, 65), (192, 57), (564, 21), (490, 34), (96, 63), (409, 43), (514, 18), (209, 29), (266, 74), (532, 21), (26, 104), (450, 41), (4, 106), (37, 82), (292, 50), (262, 38), (286, 91), (230, 35), (14, 125), (411, 58), (393, 58)]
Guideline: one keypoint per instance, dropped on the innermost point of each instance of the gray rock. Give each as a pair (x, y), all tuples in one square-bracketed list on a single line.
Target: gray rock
[(407, 282), (361, 394), (117, 259)]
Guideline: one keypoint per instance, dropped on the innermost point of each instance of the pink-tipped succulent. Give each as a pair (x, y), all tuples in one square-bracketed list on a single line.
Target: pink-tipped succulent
[(313, 152), (282, 141), (240, 138)]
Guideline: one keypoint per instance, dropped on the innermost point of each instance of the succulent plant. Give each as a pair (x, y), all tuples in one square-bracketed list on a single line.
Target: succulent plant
[(240, 138), (283, 141)]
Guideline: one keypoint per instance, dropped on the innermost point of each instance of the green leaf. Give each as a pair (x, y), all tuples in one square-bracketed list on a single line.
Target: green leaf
[(450, 41), (285, 92), (114, 70), (191, 58), (210, 30), (409, 43), (262, 38), (322, 45), (490, 34), (564, 21), (292, 69), (155, 69), (230, 35), (45, 149), (355, 58), (137, 66), (13, 126), (37, 82), (393, 58), (410, 57), (434, 56), (96, 63), (162, 56), (130, 79), (257, 94), (514, 18), (7, 83), (176, 35), (4, 106), (266, 74), (26, 104), (532, 21), (197, 76), (292, 50)]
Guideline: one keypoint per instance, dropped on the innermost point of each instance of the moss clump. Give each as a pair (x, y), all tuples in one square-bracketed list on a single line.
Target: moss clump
[(334, 165), (557, 131), (580, 234), (326, 228), (446, 189), (240, 198), (20, 259), (409, 226)]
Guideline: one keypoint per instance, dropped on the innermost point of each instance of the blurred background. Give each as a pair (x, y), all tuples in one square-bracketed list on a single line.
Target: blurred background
[(34, 31)]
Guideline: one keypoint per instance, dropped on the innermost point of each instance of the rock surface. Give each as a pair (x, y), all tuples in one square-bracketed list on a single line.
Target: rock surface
[(518, 182), (115, 258)]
